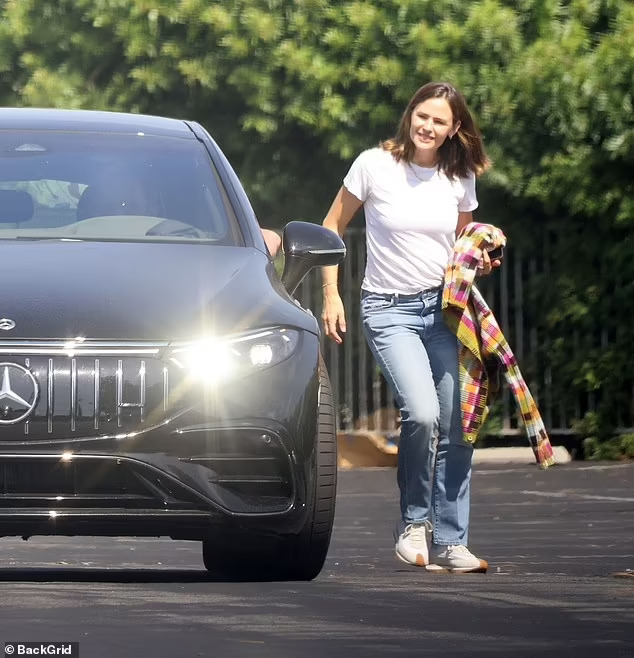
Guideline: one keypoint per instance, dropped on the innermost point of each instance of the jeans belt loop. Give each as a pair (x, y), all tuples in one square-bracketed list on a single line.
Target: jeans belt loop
[(395, 299)]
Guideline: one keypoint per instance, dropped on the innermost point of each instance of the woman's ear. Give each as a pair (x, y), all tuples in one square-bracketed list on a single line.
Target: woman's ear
[(454, 130)]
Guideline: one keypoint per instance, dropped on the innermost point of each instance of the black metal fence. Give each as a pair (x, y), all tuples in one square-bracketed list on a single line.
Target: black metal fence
[(362, 396)]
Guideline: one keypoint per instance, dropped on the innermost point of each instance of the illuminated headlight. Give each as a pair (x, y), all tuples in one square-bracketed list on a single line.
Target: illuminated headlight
[(217, 359)]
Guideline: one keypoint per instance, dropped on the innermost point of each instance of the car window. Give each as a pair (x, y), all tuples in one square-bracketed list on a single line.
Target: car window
[(111, 186)]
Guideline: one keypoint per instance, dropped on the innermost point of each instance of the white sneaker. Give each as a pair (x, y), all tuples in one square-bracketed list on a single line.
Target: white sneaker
[(412, 543), (455, 559)]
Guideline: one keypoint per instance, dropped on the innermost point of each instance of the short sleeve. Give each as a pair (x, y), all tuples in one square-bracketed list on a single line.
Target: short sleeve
[(358, 180), (469, 201)]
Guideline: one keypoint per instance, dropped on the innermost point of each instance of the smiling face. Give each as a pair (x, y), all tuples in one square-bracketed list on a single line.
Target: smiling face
[(432, 122)]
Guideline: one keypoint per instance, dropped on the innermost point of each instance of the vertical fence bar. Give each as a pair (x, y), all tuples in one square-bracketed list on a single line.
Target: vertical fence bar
[(362, 351), (548, 380), (518, 300), (576, 342), (391, 417), (504, 304), (333, 360), (349, 296), (535, 384)]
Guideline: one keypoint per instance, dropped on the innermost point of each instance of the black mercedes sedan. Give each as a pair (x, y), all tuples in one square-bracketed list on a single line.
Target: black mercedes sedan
[(157, 377)]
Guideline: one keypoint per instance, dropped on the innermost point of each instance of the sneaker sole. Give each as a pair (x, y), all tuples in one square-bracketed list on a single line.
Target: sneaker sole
[(437, 568), (418, 563)]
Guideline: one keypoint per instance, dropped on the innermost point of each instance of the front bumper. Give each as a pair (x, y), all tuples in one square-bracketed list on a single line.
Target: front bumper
[(242, 459)]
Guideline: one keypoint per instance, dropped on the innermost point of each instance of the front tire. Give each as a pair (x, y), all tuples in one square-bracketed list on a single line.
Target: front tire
[(311, 545), (300, 556)]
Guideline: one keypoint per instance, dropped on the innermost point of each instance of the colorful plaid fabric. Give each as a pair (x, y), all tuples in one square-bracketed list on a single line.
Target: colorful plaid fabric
[(484, 351)]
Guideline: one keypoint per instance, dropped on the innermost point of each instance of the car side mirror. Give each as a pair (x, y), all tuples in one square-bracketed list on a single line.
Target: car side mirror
[(306, 246)]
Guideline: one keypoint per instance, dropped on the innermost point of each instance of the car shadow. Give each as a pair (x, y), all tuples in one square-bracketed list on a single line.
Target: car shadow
[(90, 575)]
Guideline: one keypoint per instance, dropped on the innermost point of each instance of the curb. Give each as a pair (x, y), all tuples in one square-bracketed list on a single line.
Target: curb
[(367, 449), (519, 455)]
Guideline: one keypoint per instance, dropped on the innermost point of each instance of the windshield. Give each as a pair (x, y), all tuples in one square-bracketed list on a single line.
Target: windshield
[(111, 186)]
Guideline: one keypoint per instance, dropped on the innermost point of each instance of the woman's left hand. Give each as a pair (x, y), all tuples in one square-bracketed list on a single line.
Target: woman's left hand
[(273, 241), (486, 265)]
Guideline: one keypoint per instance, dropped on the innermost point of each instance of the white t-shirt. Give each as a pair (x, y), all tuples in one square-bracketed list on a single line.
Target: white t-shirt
[(411, 215)]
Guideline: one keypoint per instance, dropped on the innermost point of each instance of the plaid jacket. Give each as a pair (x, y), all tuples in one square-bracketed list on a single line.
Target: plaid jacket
[(483, 349)]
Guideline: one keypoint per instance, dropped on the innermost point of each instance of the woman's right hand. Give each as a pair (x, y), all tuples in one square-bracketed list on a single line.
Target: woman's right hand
[(343, 208), (333, 316)]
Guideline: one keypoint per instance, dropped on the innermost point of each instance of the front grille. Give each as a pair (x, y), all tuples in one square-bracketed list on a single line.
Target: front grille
[(54, 478), (87, 389), (88, 482)]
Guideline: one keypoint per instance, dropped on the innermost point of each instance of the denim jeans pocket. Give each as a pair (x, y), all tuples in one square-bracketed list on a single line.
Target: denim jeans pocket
[(372, 301)]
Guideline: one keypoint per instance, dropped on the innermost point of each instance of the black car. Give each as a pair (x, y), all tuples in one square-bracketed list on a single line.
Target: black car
[(157, 377)]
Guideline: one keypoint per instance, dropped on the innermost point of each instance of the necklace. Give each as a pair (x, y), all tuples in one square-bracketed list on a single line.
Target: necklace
[(421, 179)]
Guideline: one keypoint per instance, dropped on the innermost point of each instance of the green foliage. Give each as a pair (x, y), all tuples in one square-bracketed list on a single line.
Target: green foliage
[(596, 450), (627, 445), (612, 449), (293, 89)]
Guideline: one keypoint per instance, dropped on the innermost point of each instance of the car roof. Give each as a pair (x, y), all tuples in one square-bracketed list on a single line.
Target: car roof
[(26, 118)]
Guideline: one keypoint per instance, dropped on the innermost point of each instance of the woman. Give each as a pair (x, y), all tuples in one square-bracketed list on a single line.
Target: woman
[(418, 192)]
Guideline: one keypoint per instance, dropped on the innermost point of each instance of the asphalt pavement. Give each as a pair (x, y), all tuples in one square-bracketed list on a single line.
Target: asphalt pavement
[(560, 544)]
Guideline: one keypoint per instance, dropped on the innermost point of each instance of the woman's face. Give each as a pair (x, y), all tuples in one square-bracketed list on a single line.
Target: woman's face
[(431, 123)]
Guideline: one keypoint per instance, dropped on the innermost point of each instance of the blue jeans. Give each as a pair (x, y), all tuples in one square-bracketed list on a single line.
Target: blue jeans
[(418, 356)]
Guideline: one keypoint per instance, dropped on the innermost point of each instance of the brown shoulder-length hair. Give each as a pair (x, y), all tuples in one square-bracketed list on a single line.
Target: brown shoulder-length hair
[(458, 157)]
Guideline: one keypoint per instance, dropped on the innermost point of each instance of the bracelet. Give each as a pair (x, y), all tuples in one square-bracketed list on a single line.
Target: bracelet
[(329, 284)]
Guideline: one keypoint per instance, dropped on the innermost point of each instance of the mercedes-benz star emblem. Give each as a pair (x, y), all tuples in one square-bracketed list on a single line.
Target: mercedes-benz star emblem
[(6, 324), (19, 393)]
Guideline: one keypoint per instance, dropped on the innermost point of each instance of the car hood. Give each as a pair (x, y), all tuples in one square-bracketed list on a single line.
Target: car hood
[(134, 291)]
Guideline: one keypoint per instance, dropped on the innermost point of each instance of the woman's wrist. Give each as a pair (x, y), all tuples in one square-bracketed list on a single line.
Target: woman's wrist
[(330, 290)]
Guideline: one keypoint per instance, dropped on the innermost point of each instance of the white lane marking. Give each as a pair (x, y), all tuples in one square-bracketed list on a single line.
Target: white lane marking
[(606, 467), (594, 467), (547, 494)]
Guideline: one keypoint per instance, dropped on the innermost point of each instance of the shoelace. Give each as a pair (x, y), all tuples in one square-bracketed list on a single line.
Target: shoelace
[(417, 532)]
